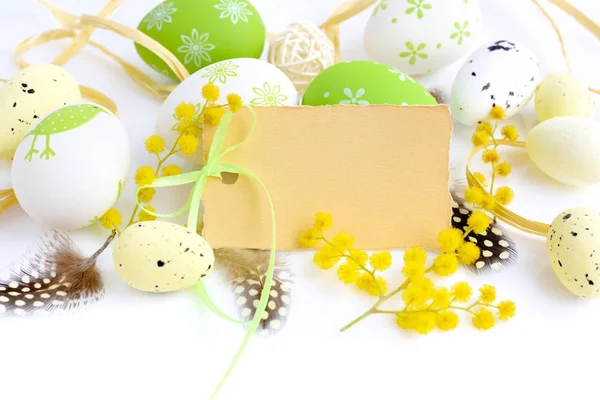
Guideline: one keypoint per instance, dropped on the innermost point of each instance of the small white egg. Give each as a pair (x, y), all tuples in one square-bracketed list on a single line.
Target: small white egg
[(502, 73)]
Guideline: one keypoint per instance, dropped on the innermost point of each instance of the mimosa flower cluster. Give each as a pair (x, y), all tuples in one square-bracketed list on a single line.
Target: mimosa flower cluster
[(191, 119), (426, 306), (485, 137)]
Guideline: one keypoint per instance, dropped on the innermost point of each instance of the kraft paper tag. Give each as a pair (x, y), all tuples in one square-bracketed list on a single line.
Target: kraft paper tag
[(380, 171)]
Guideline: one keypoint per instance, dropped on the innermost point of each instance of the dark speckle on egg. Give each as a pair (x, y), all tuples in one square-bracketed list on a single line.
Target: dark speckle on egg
[(574, 234), (566, 217), (160, 263)]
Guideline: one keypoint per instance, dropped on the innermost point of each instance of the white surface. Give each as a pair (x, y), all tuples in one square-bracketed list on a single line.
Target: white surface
[(145, 346)]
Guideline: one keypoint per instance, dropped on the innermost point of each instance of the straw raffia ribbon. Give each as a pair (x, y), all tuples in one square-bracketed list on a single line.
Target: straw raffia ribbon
[(213, 168), (502, 213)]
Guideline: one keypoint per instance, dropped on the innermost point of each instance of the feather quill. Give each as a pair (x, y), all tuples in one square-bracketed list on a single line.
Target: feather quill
[(498, 250), (55, 277), (246, 270)]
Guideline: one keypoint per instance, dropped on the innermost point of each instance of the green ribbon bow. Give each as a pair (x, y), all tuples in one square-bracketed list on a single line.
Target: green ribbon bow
[(214, 167)]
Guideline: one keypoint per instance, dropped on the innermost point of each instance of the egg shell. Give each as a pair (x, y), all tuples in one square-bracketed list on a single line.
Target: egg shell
[(200, 33), (160, 256), (363, 83), (573, 245), (27, 97), (421, 36), (257, 82), (567, 149), (561, 94), (503, 73), (70, 167)]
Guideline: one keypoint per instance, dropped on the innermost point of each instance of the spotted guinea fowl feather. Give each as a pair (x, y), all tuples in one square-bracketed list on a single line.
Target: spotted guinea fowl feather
[(498, 250), (54, 277), (247, 269)]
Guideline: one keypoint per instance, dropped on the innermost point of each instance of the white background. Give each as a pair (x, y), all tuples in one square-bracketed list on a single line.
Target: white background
[(144, 346)]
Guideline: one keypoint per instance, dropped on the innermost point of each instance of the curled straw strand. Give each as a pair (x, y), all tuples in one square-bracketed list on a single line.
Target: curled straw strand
[(579, 17), (7, 199), (80, 29)]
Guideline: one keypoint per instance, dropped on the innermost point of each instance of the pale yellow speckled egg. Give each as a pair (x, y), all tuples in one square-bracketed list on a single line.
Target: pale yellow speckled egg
[(561, 94), (574, 250), (28, 97), (160, 256)]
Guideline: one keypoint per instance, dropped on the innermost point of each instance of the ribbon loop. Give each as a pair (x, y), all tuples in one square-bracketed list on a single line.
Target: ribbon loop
[(213, 168)]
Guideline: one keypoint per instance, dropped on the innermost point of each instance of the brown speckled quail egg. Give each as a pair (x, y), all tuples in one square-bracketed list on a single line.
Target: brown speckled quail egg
[(574, 249), (159, 256)]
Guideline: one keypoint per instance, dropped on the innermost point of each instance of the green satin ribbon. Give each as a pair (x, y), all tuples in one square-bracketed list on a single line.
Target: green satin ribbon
[(213, 168)]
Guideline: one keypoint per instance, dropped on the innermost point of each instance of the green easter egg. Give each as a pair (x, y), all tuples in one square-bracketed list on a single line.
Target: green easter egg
[(363, 83), (202, 32)]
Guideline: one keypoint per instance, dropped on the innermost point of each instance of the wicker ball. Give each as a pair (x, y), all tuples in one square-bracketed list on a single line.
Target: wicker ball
[(301, 51)]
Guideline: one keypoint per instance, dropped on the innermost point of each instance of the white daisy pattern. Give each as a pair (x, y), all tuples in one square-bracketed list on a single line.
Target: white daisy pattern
[(196, 48), (221, 71), (401, 75), (268, 95), (355, 98), (236, 10), (159, 15)]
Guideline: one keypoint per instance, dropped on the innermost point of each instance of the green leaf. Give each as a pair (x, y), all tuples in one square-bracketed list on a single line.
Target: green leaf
[(410, 10), (467, 34), (457, 25), (66, 119), (413, 60), (466, 24), (421, 46), (426, 6), (413, 2), (423, 55), (454, 35), (420, 14), (405, 54), (409, 45)]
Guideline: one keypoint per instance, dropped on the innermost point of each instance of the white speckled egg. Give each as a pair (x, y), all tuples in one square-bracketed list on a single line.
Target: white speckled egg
[(27, 97), (160, 256), (421, 36), (257, 82), (573, 243), (561, 94), (503, 73), (567, 149), (70, 167)]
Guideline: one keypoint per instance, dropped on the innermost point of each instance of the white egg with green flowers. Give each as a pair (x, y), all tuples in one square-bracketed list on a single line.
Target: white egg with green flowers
[(71, 165), (257, 82), (422, 36)]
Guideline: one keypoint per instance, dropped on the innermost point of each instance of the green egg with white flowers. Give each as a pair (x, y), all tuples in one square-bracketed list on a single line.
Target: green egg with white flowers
[(364, 83), (202, 32)]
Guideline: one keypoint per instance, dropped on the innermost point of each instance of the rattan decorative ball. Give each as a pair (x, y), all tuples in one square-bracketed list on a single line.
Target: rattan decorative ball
[(301, 51)]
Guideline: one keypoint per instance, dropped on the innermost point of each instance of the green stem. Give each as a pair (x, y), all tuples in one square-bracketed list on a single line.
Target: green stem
[(156, 172), (363, 316)]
